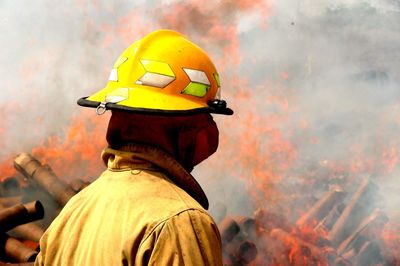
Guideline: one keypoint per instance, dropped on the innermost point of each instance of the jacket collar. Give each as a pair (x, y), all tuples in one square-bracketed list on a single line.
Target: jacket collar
[(147, 157)]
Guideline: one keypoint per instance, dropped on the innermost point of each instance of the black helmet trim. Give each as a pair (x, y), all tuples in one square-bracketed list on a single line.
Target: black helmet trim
[(215, 107)]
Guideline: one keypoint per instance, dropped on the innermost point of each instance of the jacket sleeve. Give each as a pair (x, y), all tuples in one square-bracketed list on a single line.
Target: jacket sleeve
[(189, 238)]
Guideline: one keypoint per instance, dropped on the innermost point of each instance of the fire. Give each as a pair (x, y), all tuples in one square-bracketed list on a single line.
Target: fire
[(6, 169), (79, 151)]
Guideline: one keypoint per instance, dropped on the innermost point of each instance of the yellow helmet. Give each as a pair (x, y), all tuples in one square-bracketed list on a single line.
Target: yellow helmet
[(163, 72)]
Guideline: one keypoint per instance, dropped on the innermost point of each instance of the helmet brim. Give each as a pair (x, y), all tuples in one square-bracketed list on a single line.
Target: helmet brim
[(114, 106)]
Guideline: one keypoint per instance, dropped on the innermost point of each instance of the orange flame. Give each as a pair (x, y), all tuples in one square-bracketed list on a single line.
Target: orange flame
[(77, 155)]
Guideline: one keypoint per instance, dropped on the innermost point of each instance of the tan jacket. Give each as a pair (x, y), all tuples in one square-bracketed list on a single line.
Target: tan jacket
[(133, 214)]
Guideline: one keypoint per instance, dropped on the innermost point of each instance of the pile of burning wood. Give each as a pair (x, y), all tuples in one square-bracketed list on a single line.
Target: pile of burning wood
[(336, 230), (17, 220), (19, 240), (339, 229)]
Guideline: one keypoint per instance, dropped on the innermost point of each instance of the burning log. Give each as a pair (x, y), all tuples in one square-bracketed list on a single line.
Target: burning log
[(351, 215), (34, 192), (237, 235), (247, 226), (44, 176), (326, 224), (242, 254), (20, 214), (13, 249), (229, 228), (29, 231), (247, 252), (293, 242), (355, 240), (321, 208)]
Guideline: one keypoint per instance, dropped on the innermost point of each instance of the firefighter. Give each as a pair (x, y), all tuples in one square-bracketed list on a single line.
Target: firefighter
[(146, 208)]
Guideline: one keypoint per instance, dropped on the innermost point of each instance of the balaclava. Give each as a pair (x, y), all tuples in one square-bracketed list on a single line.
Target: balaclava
[(190, 139)]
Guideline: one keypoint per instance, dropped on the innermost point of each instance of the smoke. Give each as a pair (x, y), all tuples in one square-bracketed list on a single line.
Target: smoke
[(314, 86), (336, 69)]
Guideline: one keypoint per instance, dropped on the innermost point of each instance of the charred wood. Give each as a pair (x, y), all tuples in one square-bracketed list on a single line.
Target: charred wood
[(240, 254), (354, 212), (326, 223), (321, 208), (294, 242), (373, 224), (20, 214), (229, 228), (44, 176), (13, 249), (28, 231)]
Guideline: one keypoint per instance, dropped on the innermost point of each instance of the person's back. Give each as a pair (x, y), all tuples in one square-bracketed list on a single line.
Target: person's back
[(133, 214)]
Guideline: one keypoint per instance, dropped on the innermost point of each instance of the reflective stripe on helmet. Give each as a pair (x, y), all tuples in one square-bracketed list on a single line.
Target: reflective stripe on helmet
[(158, 74), (196, 89), (197, 76)]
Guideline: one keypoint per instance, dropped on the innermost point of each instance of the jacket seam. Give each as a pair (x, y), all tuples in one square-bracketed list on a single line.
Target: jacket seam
[(198, 233), (163, 221)]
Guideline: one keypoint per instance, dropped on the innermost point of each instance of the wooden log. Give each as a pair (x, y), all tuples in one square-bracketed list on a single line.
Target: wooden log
[(345, 260), (16, 251), (28, 231), (34, 192), (325, 225), (229, 229), (247, 252), (241, 253), (351, 215), (44, 176), (20, 214), (376, 220), (295, 243), (321, 208), (247, 227)]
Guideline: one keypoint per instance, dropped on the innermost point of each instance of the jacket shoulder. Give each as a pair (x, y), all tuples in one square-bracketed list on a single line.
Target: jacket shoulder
[(190, 237), (154, 188)]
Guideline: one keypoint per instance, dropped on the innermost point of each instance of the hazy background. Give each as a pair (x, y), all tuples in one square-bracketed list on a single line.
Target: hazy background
[(314, 86)]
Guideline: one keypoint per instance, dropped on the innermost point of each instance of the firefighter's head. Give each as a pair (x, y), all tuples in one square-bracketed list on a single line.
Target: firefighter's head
[(163, 79)]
